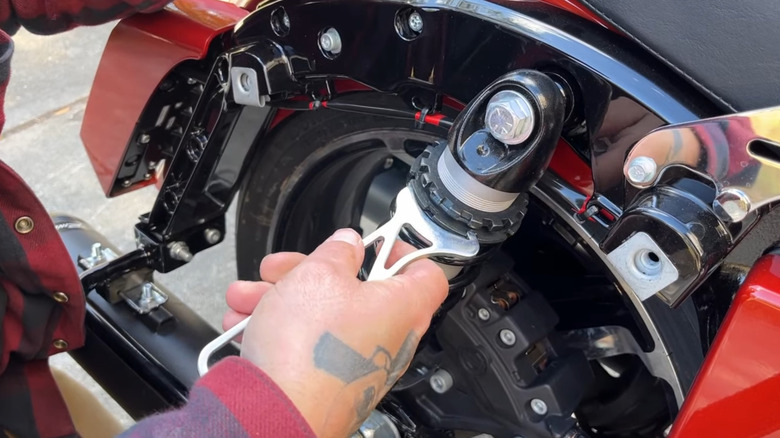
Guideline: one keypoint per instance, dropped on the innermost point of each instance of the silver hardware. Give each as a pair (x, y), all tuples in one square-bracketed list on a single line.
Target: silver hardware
[(97, 256), (407, 215), (144, 139), (539, 406), (732, 205), (509, 117), (151, 165), (286, 21), (470, 191), (643, 265), (144, 298), (179, 251), (246, 88), (147, 176), (377, 425), (127, 183), (641, 170), (441, 381), (330, 42), (507, 337), (483, 314), (415, 22), (212, 235), (733, 151)]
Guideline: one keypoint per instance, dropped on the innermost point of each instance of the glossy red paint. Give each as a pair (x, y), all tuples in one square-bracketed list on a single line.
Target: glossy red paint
[(573, 169), (139, 54), (737, 391)]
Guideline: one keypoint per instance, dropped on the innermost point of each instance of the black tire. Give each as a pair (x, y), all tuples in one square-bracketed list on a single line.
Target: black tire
[(276, 168)]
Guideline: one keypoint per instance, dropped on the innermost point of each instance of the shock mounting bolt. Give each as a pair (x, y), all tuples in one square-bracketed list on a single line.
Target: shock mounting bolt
[(641, 170), (212, 235), (441, 381), (507, 337), (416, 22), (539, 406), (483, 314), (509, 117), (330, 41)]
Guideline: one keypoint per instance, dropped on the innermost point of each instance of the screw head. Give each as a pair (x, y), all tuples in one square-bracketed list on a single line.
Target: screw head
[(441, 381), (641, 171), (416, 22), (507, 337), (144, 138), (483, 314), (330, 41), (212, 235), (127, 183), (509, 117), (731, 205), (539, 406)]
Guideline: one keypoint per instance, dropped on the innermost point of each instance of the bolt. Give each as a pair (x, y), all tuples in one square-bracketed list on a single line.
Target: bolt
[(415, 22), (507, 337), (509, 117), (212, 235), (539, 406), (483, 314), (641, 171), (146, 295), (441, 381), (191, 81), (147, 176), (286, 21), (731, 205), (144, 139), (244, 83), (179, 251), (388, 163), (127, 183), (330, 41)]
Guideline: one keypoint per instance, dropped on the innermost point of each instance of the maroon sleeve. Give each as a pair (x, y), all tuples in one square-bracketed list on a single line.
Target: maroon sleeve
[(51, 16), (234, 399)]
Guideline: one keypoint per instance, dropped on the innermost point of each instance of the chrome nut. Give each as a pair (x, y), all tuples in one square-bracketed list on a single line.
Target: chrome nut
[(510, 117)]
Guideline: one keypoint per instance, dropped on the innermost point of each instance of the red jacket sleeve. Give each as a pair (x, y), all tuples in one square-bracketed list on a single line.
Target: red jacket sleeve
[(235, 399), (51, 16)]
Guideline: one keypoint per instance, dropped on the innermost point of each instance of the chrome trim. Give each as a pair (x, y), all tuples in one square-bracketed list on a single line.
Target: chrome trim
[(720, 149)]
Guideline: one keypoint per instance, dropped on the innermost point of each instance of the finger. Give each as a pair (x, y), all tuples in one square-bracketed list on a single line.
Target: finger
[(422, 284), (342, 254), (277, 265), (231, 318), (243, 296)]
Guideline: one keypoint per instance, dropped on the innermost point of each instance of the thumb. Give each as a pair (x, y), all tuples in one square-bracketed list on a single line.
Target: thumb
[(422, 285), (342, 253)]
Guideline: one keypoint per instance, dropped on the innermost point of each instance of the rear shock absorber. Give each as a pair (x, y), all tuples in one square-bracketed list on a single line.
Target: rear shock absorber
[(468, 194)]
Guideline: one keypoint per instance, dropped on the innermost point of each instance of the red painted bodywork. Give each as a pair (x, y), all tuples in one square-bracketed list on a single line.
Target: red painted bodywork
[(737, 391), (141, 51)]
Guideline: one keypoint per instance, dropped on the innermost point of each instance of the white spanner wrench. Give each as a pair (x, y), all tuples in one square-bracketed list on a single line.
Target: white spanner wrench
[(407, 214)]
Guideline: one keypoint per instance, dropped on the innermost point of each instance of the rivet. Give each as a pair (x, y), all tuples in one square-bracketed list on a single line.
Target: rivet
[(60, 344), (60, 297), (24, 225)]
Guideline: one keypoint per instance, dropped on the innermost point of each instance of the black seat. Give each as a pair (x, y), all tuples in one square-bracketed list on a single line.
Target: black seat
[(729, 47)]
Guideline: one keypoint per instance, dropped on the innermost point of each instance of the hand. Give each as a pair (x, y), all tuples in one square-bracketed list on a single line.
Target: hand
[(333, 344)]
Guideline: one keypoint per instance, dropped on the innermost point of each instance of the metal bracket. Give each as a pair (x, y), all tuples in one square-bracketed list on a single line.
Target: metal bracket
[(407, 216), (643, 265), (98, 256), (740, 153), (144, 298)]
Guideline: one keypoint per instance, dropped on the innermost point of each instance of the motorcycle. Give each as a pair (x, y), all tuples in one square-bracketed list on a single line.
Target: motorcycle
[(581, 170)]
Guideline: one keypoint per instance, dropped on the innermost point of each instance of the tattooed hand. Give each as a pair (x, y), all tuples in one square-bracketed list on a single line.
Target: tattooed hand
[(335, 345)]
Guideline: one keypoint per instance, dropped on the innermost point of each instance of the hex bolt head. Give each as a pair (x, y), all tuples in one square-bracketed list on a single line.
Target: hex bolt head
[(731, 205), (416, 22), (330, 41), (507, 337), (144, 139), (641, 171), (212, 235), (539, 406), (509, 117), (483, 314), (441, 381)]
